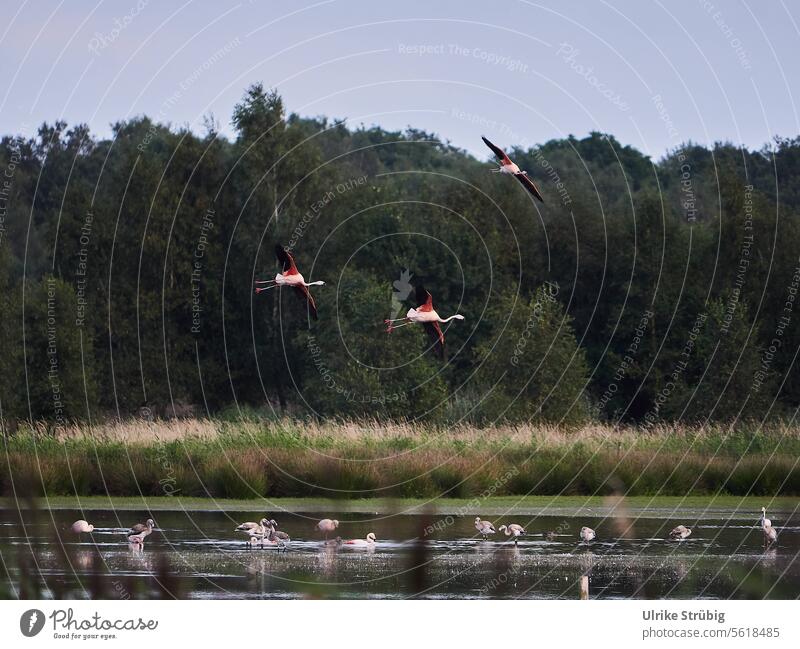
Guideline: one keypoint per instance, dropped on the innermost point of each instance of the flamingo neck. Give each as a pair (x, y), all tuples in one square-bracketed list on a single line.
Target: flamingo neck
[(452, 317)]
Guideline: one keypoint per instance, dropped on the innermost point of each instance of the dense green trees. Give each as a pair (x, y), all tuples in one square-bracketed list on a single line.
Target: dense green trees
[(535, 369), (676, 279)]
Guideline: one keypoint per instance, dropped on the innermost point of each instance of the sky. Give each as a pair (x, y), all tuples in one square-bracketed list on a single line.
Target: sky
[(653, 74)]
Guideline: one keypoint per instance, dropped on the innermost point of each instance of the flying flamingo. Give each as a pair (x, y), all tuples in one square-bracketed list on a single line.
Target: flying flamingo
[(290, 277), (426, 315), (509, 167)]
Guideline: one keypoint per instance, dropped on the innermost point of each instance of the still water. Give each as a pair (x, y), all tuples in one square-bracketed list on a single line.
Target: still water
[(197, 554)]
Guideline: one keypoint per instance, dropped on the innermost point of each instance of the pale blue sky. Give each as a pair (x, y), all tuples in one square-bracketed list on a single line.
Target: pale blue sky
[(518, 72)]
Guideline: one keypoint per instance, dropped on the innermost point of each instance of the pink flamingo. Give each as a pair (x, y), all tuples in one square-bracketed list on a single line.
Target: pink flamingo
[(425, 315), (290, 277)]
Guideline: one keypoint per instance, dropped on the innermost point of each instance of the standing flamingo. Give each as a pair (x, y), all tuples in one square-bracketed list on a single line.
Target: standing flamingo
[(249, 525), (427, 316), (765, 522), (679, 533), (484, 527), (512, 530), (290, 277), (509, 167), (276, 533), (255, 531), (370, 540), (326, 525), (143, 528), (82, 527), (587, 534), (770, 535)]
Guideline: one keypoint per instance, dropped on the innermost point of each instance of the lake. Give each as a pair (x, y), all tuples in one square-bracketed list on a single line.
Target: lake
[(197, 554)]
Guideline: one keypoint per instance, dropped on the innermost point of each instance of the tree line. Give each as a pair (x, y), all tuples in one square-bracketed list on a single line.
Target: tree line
[(641, 291)]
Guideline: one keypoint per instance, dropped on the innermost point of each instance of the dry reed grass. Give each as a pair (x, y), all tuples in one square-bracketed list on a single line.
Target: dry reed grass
[(248, 459)]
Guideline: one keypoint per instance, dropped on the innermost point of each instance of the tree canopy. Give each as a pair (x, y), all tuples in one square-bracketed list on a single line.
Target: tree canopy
[(127, 267)]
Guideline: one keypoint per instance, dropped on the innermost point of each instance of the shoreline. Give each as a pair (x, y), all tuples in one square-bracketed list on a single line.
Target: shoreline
[(732, 507)]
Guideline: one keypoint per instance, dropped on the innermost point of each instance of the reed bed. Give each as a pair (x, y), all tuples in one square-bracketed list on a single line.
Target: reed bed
[(251, 458)]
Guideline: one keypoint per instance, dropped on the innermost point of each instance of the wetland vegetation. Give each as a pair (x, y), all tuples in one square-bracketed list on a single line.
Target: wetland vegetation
[(255, 458)]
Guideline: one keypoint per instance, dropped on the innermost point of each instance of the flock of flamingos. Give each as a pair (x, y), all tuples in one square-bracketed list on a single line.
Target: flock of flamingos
[(424, 314), (266, 532)]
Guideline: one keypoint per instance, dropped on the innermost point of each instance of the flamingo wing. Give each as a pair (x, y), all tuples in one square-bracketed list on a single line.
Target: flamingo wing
[(436, 336), (501, 155), (286, 260), (305, 294), (424, 299), (528, 184)]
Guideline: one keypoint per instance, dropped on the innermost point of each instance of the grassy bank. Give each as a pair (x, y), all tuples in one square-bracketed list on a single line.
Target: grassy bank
[(290, 459), (732, 507)]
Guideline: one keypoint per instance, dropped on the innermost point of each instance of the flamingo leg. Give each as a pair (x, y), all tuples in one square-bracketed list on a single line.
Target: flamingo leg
[(405, 324), (265, 281), (259, 289)]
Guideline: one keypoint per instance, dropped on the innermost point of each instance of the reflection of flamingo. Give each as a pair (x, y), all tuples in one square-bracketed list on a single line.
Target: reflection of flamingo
[(509, 167), (370, 540), (484, 527), (290, 277), (333, 542), (426, 315), (587, 534), (137, 540), (679, 533), (512, 530), (82, 527), (326, 526)]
